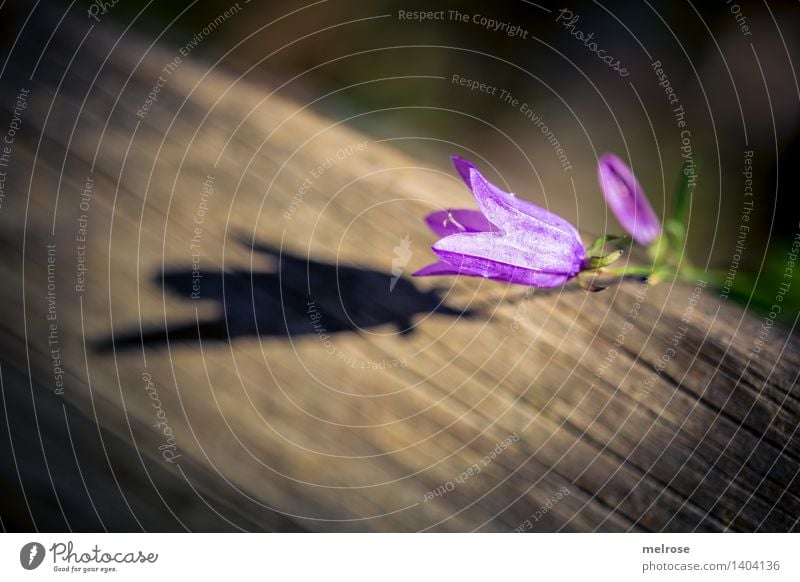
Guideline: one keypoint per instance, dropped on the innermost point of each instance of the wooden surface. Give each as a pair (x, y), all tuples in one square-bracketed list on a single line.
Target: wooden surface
[(282, 426)]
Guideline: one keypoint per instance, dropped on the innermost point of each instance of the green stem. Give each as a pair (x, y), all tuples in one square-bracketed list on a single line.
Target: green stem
[(627, 270), (690, 273)]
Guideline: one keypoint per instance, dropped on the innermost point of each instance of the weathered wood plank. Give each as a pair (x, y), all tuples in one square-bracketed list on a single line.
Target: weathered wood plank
[(287, 431)]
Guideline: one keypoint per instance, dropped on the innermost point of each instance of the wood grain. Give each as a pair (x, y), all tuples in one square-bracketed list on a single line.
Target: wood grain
[(277, 429)]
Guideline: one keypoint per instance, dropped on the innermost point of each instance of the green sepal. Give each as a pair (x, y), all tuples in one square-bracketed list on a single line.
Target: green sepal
[(600, 262), (603, 240), (675, 226), (590, 286)]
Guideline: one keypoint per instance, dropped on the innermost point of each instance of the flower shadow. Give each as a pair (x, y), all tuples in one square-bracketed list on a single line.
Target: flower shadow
[(300, 296)]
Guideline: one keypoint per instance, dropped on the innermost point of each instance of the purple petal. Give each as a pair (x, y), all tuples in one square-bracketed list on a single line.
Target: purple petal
[(509, 274), (524, 230), (538, 263), (509, 240), (465, 168), (440, 268), (627, 200), (446, 222)]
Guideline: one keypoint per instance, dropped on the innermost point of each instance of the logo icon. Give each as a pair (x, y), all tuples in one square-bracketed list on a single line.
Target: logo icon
[(402, 255), (31, 555)]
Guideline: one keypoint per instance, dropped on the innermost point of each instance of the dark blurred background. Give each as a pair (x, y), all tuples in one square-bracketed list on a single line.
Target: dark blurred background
[(728, 63)]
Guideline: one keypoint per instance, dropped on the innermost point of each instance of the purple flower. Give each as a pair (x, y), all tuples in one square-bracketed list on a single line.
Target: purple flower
[(507, 239), (627, 200)]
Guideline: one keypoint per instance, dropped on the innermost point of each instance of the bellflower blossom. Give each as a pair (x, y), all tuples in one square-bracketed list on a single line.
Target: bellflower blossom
[(506, 239), (627, 200)]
